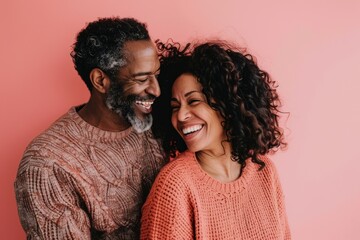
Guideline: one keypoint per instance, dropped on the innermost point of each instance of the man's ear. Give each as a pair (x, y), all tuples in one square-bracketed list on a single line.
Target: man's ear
[(99, 80)]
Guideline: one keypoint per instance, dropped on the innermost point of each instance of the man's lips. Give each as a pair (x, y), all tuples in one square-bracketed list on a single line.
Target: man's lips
[(146, 104)]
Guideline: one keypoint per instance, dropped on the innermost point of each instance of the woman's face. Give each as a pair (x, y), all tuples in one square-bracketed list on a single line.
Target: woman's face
[(192, 117)]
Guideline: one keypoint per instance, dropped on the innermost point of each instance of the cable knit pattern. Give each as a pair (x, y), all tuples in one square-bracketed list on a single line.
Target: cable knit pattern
[(186, 203), (76, 181)]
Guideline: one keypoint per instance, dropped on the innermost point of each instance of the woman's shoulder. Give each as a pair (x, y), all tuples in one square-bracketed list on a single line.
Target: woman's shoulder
[(182, 160), (174, 177), (180, 167), (267, 160), (269, 168)]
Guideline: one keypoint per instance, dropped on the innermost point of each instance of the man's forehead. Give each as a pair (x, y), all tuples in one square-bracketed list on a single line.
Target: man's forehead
[(139, 48), (141, 58)]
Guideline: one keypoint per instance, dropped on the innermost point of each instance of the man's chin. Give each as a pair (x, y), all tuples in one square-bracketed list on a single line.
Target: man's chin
[(141, 125), (138, 119)]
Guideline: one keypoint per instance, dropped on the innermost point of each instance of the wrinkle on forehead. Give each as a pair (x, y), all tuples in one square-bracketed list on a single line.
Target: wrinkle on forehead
[(140, 48), (141, 58)]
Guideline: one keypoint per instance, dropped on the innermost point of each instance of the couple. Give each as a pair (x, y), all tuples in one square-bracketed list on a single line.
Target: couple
[(88, 176)]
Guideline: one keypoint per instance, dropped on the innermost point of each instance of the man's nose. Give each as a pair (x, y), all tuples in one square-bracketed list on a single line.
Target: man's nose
[(153, 88)]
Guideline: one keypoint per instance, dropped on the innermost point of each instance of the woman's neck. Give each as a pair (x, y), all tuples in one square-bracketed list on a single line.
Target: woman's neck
[(219, 164)]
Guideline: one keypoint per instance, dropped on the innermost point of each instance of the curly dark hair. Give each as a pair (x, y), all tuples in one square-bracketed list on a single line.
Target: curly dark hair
[(239, 90), (100, 45)]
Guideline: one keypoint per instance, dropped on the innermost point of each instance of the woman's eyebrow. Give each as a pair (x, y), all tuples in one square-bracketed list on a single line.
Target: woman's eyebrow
[(174, 100), (186, 95), (191, 92)]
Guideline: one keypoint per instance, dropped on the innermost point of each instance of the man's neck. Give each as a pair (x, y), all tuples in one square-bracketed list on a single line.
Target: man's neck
[(100, 116)]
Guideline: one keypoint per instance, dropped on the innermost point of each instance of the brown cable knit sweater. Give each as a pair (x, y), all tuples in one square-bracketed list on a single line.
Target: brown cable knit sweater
[(76, 181)]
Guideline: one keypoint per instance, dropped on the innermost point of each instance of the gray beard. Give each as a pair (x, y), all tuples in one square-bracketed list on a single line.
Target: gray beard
[(140, 125), (123, 106)]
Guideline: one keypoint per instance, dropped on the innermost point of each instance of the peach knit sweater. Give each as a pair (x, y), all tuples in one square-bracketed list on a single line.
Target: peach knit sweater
[(186, 203)]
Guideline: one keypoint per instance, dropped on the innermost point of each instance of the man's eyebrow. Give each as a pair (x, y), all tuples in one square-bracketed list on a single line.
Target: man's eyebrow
[(145, 73)]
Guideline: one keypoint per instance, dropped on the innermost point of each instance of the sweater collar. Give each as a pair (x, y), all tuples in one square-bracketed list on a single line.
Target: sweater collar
[(237, 185), (94, 133)]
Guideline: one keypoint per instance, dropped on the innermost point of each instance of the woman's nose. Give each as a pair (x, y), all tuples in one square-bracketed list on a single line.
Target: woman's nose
[(183, 114)]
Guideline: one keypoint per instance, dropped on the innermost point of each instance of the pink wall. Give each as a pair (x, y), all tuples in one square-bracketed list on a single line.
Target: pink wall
[(310, 47)]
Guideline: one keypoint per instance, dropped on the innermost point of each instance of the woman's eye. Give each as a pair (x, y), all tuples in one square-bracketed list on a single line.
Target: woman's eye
[(174, 108), (194, 101)]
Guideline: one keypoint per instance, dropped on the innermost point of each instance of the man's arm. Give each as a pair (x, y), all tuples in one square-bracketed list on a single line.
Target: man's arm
[(48, 206)]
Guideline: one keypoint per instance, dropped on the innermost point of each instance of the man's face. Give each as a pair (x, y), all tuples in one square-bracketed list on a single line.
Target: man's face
[(134, 90)]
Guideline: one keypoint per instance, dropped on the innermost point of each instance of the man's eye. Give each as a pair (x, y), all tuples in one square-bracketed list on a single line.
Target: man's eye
[(142, 80)]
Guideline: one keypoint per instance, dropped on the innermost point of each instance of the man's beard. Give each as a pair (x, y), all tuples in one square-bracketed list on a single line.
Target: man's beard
[(124, 107)]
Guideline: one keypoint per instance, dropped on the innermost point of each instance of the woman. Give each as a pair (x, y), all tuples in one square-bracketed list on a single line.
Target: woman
[(224, 115)]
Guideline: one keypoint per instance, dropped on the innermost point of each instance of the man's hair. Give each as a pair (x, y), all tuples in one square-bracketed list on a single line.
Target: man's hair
[(100, 45), (234, 85)]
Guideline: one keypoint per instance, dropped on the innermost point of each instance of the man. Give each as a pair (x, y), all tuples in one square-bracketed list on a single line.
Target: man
[(88, 174)]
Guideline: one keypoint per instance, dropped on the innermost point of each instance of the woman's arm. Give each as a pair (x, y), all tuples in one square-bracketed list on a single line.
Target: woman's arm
[(168, 211)]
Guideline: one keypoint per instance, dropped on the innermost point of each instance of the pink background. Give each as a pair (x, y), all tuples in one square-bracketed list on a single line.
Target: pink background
[(311, 47)]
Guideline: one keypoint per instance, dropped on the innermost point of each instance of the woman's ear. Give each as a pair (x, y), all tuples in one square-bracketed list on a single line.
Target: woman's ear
[(99, 80)]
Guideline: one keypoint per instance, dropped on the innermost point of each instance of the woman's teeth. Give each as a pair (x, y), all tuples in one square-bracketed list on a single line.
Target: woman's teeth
[(191, 129)]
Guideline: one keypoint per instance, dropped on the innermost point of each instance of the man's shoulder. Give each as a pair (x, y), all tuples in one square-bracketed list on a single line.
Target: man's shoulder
[(54, 132), (53, 139)]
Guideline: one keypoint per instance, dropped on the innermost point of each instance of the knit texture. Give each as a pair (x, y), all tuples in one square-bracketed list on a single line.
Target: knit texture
[(76, 181), (186, 203)]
